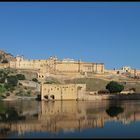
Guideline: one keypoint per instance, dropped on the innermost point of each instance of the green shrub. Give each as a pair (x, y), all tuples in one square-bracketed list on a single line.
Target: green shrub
[(0, 57), (35, 80), (114, 87), (28, 92), (7, 94), (12, 80), (20, 84), (3, 76), (2, 89), (20, 77), (2, 79)]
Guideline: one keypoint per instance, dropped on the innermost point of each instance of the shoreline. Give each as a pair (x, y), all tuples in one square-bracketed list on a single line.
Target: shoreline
[(18, 98), (135, 96), (85, 98)]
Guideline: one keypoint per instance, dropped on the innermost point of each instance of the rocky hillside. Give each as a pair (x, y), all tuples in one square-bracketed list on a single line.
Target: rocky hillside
[(5, 57)]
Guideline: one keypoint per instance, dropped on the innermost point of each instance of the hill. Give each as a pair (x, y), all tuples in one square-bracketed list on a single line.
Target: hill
[(5, 57)]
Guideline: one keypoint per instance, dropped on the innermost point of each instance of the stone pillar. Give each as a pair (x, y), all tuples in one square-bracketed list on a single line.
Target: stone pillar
[(102, 67), (78, 65), (41, 91), (96, 67)]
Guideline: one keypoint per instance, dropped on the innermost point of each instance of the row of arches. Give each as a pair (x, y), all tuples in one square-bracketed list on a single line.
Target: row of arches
[(49, 97)]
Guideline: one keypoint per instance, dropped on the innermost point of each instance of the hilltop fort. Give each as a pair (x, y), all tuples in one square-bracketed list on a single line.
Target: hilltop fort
[(71, 79), (57, 67)]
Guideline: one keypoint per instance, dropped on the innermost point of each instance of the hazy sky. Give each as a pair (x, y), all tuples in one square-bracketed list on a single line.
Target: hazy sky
[(106, 32)]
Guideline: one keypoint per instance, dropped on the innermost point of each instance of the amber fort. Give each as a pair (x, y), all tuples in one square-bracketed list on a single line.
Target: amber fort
[(70, 67)]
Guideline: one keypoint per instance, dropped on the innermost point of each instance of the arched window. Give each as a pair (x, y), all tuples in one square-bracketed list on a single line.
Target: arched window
[(46, 97), (118, 72), (52, 97)]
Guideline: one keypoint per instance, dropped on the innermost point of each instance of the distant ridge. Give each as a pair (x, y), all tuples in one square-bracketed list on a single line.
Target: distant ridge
[(5, 57)]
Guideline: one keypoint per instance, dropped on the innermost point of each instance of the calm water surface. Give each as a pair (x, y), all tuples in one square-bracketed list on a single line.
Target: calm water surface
[(70, 119)]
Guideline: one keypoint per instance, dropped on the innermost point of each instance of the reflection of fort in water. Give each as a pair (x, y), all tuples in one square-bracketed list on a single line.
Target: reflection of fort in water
[(69, 115)]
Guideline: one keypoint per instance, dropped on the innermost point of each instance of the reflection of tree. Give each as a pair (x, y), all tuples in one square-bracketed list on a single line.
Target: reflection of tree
[(2, 108), (10, 115), (116, 103), (114, 111)]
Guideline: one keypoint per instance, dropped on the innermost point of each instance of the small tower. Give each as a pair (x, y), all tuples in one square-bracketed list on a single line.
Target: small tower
[(19, 58)]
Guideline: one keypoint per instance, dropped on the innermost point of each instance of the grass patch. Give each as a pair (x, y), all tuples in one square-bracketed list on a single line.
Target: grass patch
[(92, 83), (52, 80)]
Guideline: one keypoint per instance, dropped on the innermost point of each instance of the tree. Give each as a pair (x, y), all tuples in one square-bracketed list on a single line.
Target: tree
[(0, 57), (20, 77), (2, 89), (114, 87), (3, 76), (9, 87), (10, 114), (12, 80)]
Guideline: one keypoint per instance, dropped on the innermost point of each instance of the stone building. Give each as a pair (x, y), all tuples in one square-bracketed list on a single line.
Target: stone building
[(54, 66), (125, 70), (62, 91)]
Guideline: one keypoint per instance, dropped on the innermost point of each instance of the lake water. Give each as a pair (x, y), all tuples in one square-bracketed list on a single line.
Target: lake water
[(70, 119)]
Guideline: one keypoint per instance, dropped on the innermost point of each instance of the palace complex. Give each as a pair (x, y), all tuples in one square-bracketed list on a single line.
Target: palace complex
[(55, 66), (52, 65)]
